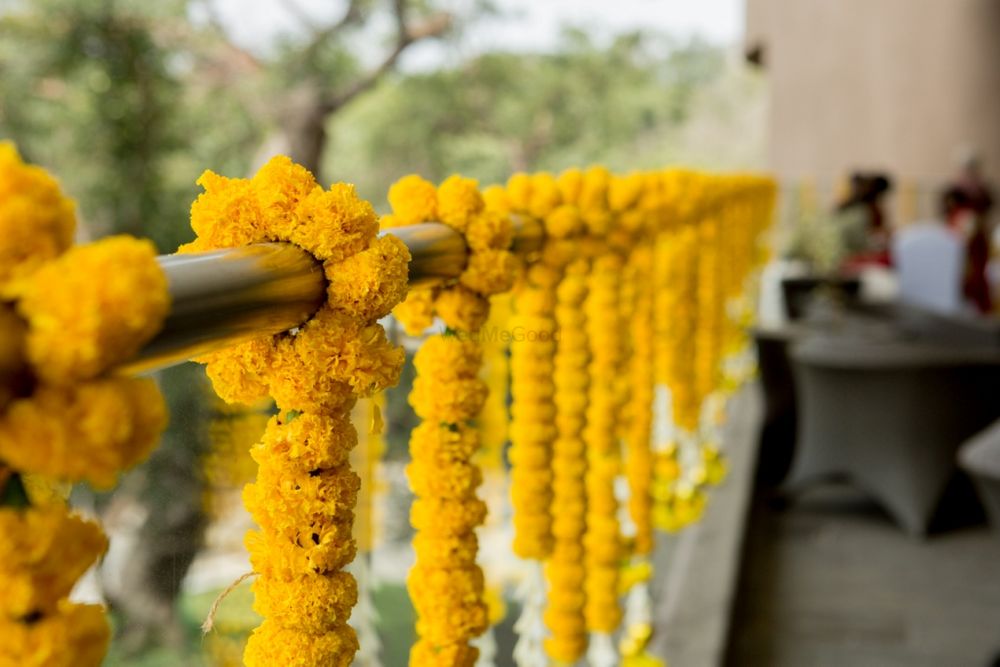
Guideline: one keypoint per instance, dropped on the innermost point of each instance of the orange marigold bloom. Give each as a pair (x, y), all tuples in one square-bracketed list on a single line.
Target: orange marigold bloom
[(37, 221), (82, 311), (36, 568), (75, 635)]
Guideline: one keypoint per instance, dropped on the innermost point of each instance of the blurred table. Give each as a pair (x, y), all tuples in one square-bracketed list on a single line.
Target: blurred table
[(883, 401)]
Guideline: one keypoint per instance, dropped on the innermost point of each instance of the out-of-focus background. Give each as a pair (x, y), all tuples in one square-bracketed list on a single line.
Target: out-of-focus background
[(880, 364)]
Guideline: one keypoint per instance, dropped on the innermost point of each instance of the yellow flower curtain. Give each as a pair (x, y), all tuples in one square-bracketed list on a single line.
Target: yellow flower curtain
[(623, 326)]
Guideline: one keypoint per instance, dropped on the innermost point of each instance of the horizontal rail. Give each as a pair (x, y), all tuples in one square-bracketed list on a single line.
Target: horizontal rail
[(223, 297)]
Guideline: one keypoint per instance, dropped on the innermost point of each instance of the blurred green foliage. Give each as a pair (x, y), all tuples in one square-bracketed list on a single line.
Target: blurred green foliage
[(104, 95), (625, 105)]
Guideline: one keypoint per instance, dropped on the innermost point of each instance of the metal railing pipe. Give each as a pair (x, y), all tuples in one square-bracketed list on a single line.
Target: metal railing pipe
[(222, 297)]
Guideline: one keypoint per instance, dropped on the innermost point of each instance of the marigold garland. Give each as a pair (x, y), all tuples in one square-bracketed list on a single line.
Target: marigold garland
[(494, 421), (532, 427), (602, 541), (38, 221), (566, 570), (639, 455), (619, 249), (304, 497), (446, 584), (67, 315)]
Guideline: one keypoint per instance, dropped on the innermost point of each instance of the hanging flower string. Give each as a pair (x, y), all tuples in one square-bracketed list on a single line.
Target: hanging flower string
[(533, 426), (68, 314), (446, 584), (566, 571), (304, 497)]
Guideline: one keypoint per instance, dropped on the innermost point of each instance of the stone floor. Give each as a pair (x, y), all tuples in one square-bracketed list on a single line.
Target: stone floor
[(829, 581)]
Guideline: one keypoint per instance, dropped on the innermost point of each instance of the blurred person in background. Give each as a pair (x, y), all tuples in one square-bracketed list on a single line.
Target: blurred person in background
[(863, 227), (967, 204)]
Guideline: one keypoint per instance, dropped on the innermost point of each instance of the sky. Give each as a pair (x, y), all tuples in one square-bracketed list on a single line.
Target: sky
[(534, 24), (522, 25)]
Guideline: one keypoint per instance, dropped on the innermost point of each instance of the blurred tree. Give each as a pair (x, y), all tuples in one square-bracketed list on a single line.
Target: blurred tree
[(127, 101), (309, 81), (86, 90), (170, 490), (624, 104)]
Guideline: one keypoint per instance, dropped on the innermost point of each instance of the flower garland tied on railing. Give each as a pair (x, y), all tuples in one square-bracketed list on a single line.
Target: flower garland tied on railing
[(446, 584), (68, 314), (304, 496), (628, 334)]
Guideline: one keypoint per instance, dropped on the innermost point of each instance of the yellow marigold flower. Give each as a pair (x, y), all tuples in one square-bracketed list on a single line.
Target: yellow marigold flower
[(367, 285), (456, 550), (280, 203), (309, 442), (633, 220), (417, 312), (413, 200), (570, 184), (280, 185), (489, 272), (519, 192), (304, 496), (538, 413), (333, 348), (545, 195), (452, 402), (273, 644), (36, 221), (311, 603), (457, 479), (75, 635), (89, 431), (460, 620), (569, 571), (598, 221), (335, 224), (449, 601), (564, 222), (534, 305), (36, 568), (459, 201), (602, 309), (430, 441), (462, 309), (283, 558), (239, 374), (625, 191), (448, 358), (564, 647), (289, 503), (428, 654), (226, 215), (82, 311), (543, 275), (495, 198), (490, 230), (447, 517)]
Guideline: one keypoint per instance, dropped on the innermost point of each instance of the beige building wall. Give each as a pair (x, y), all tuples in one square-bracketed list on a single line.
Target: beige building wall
[(894, 85)]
